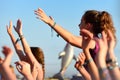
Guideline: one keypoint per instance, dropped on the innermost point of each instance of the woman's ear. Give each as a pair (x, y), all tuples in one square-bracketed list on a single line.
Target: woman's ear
[(89, 26)]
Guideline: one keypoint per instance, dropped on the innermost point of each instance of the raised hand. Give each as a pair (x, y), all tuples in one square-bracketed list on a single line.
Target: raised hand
[(81, 60), (102, 49), (9, 28), (87, 37), (23, 67), (41, 15), (113, 65), (101, 57), (6, 51), (79, 66), (5, 64), (18, 27)]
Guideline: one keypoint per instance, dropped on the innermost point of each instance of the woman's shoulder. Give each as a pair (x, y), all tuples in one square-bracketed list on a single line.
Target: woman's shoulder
[(93, 44)]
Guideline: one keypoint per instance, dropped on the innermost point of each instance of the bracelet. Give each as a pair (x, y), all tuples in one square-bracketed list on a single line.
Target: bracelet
[(21, 36), (104, 73), (52, 28), (102, 70), (18, 39), (54, 25), (88, 61), (112, 65)]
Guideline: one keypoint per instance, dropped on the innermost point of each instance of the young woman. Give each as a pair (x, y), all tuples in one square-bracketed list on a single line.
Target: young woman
[(93, 21)]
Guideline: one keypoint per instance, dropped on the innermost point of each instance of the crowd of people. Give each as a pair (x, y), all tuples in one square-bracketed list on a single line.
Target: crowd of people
[(31, 64), (96, 62)]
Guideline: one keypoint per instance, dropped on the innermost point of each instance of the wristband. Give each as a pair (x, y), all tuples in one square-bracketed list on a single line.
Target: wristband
[(88, 61), (112, 65), (104, 74), (54, 25), (18, 39), (21, 36)]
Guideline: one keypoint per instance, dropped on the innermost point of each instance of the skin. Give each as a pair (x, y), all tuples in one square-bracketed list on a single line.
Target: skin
[(17, 46), (24, 68), (87, 38), (72, 39), (109, 42), (67, 36), (101, 57), (39, 74), (79, 66), (6, 71), (36, 68), (111, 55)]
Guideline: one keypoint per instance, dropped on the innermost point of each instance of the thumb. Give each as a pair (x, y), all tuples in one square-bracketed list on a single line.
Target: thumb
[(14, 28), (51, 17)]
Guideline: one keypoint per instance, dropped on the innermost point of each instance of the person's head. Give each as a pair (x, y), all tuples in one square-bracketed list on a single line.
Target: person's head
[(96, 21), (39, 55)]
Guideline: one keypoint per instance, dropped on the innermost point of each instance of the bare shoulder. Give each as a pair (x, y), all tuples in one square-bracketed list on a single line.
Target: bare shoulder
[(93, 44)]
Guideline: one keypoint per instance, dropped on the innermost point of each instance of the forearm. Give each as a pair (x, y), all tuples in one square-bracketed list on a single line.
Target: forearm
[(25, 45), (115, 73), (92, 66), (102, 67), (113, 66), (94, 71), (27, 50), (84, 73), (66, 35), (17, 47)]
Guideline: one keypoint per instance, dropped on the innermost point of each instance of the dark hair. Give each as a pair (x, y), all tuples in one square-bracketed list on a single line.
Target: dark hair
[(39, 55)]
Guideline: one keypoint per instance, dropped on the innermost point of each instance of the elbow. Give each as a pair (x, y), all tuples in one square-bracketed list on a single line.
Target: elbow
[(74, 41), (71, 40)]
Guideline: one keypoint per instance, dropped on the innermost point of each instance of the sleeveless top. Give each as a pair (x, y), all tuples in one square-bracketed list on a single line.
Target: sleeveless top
[(94, 51)]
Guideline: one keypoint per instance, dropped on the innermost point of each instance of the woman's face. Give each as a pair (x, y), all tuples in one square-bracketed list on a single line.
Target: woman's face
[(82, 25)]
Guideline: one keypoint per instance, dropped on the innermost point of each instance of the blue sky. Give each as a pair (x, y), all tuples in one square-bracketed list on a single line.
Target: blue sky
[(67, 13)]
